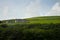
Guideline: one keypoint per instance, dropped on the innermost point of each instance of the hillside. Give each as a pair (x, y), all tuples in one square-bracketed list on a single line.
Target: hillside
[(36, 28), (45, 19), (42, 20)]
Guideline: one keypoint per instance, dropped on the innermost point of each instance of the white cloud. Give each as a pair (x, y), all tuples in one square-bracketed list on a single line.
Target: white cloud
[(18, 11), (56, 7), (55, 11), (32, 9), (5, 11)]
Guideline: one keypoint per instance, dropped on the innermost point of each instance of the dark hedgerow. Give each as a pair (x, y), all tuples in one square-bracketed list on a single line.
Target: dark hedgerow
[(30, 32), (3, 25), (0, 21)]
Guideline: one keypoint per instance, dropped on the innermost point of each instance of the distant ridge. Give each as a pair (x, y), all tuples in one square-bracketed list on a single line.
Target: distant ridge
[(41, 19)]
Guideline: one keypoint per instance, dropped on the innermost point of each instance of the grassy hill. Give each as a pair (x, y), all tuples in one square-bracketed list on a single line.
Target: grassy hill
[(37, 28), (41, 20), (45, 19)]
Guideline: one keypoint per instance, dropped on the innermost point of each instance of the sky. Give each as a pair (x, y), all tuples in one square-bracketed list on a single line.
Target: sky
[(19, 9)]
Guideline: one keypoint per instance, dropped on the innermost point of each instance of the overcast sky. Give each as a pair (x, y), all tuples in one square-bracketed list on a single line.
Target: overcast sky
[(12, 9)]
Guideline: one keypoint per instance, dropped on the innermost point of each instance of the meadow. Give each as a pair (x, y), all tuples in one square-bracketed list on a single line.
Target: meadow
[(37, 28)]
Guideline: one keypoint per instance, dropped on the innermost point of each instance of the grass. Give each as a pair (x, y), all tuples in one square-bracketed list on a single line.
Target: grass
[(46, 19), (37, 28), (40, 20)]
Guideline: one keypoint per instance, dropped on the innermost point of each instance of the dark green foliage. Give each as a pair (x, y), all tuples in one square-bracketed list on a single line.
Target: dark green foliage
[(30, 31), (37, 28), (0, 21), (3, 25)]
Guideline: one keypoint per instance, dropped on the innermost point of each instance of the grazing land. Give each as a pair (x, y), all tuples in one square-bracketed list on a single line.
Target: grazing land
[(35, 28)]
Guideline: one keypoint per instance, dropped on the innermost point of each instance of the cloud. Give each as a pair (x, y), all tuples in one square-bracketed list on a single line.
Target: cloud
[(56, 7), (5, 11), (55, 10), (32, 9)]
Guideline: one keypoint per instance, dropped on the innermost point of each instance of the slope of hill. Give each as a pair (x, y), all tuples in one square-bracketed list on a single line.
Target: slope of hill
[(37, 28), (45, 19), (41, 20)]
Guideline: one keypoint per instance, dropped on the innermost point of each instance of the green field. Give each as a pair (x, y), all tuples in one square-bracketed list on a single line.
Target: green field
[(41, 20), (36, 28), (45, 19)]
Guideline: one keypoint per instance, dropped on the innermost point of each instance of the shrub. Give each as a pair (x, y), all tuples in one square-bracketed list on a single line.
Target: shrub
[(4, 25)]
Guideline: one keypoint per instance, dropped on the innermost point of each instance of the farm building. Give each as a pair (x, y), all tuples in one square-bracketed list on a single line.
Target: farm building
[(16, 20)]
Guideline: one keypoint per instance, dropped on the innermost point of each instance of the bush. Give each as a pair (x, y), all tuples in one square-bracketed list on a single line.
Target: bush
[(4, 25), (0, 21), (30, 32)]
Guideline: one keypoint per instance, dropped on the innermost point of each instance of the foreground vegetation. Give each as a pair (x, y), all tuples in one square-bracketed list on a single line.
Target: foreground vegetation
[(31, 30)]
